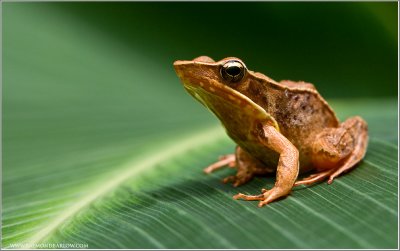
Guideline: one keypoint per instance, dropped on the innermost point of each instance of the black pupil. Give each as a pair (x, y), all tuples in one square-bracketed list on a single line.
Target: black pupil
[(233, 70)]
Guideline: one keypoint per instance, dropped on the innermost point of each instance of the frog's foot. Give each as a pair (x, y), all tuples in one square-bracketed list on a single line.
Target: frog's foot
[(238, 179), (265, 198), (225, 160)]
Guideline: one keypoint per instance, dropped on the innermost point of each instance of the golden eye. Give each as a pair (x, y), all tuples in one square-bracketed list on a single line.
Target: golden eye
[(233, 71)]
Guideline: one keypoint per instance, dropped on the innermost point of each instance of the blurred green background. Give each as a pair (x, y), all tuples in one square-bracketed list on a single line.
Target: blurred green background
[(86, 86)]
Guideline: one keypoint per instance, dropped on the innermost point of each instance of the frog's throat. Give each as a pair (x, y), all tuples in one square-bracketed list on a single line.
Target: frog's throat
[(233, 96)]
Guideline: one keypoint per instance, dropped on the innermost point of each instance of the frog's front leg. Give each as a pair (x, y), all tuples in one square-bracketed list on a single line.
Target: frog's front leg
[(225, 160), (287, 170), (247, 168)]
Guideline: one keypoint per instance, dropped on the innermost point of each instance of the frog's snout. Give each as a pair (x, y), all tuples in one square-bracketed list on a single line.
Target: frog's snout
[(179, 67), (194, 72)]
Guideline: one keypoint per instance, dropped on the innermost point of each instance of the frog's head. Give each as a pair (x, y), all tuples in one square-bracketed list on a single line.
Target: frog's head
[(225, 87)]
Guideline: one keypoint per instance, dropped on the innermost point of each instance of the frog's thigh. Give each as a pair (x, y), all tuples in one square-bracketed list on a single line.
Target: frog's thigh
[(287, 170), (329, 148), (358, 129), (336, 150)]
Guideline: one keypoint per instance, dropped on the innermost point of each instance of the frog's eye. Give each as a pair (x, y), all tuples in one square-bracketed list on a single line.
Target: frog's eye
[(233, 71)]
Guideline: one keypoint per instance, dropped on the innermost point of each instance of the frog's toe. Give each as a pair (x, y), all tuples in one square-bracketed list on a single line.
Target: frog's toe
[(237, 183), (272, 195), (265, 198), (314, 178), (230, 158), (236, 180), (332, 177), (225, 160), (231, 178), (248, 197), (263, 203)]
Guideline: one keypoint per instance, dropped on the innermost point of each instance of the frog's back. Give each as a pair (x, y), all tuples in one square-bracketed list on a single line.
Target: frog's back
[(299, 110)]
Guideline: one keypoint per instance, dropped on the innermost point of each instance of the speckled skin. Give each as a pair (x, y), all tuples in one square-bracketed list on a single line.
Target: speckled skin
[(294, 109)]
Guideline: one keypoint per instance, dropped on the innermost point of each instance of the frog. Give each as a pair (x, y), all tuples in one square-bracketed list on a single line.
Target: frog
[(284, 128)]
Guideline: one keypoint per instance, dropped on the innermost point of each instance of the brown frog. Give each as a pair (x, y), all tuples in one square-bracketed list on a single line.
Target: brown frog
[(284, 127)]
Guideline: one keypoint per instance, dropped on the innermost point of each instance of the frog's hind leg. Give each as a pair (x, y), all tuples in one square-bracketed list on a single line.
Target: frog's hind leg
[(358, 128), (314, 178), (337, 150), (228, 160)]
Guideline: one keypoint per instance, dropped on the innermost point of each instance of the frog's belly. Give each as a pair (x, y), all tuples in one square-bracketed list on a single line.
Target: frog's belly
[(269, 157)]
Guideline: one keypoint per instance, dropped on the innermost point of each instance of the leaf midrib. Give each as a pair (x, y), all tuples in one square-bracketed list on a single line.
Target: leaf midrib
[(130, 170)]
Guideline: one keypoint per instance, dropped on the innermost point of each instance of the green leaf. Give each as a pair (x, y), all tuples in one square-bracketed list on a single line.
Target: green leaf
[(162, 199), (102, 146)]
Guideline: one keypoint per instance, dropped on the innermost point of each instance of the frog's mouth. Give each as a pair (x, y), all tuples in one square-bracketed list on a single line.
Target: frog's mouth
[(229, 105)]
